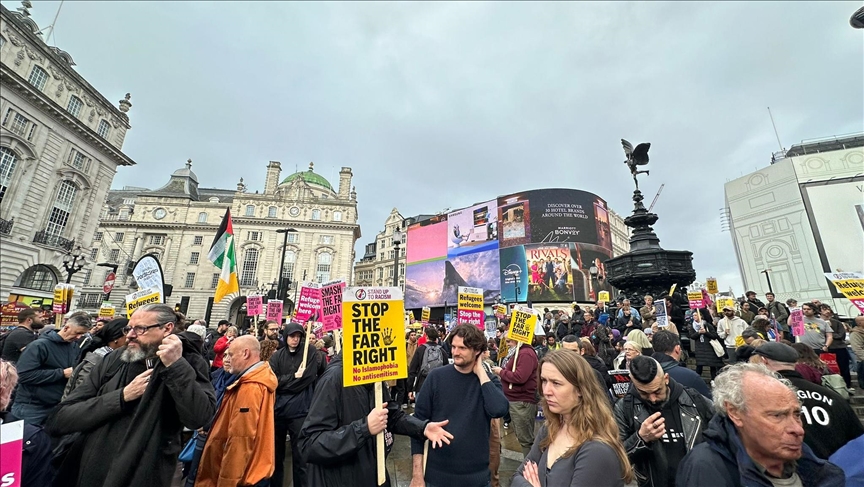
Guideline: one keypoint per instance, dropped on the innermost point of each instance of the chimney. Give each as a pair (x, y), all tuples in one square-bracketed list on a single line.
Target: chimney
[(345, 183), (272, 180)]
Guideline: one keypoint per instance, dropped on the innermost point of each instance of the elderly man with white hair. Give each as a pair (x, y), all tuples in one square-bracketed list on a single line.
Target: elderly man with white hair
[(756, 437)]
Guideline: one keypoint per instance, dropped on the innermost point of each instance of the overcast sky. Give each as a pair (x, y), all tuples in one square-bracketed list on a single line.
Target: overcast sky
[(438, 105)]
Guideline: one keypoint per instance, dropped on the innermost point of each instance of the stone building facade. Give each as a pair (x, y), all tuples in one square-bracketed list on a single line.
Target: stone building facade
[(60, 146), (178, 223)]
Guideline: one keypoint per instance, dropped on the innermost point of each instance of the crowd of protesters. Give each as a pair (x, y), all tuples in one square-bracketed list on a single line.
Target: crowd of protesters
[(150, 401)]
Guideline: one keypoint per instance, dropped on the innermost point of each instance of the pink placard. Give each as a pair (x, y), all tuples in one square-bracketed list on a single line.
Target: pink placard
[(254, 305), (309, 303), (331, 306), (274, 311), (11, 448), (796, 321), (471, 316)]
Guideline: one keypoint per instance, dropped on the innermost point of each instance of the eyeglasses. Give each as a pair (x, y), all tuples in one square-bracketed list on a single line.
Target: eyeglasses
[(140, 330)]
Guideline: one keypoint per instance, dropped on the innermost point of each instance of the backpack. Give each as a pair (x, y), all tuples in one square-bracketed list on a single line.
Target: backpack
[(431, 359), (836, 383)]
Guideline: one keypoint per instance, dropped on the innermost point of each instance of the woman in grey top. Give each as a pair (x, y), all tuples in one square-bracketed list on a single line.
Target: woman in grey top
[(578, 444)]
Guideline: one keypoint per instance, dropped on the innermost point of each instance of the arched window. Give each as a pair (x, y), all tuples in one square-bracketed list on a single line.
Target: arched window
[(290, 260), (337, 216), (7, 167), (250, 210), (322, 272), (271, 212), (250, 267), (38, 78), (316, 215), (74, 106), (202, 217), (38, 277), (62, 208)]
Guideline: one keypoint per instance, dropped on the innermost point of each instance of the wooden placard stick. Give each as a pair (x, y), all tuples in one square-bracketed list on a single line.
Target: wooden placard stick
[(302, 367), (379, 438), (337, 339), (515, 356)]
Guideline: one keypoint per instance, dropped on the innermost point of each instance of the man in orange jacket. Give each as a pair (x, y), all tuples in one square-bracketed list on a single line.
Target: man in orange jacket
[(240, 446)]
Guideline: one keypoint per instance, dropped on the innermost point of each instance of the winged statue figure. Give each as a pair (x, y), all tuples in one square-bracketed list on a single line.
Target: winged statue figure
[(636, 157)]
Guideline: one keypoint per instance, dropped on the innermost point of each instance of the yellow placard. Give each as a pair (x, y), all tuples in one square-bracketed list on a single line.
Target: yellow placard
[(522, 325), (470, 298), (373, 327), (424, 315), (711, 283), (140, 298), (672, 289), (725, 303), (107, 311), (603, 296)]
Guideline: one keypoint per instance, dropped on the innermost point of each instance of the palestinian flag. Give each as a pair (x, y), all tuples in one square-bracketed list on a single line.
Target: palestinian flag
[(222, 255)]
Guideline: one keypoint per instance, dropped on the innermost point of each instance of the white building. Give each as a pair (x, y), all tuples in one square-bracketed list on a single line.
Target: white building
[(60, 146), (800, 217), (178, 223)]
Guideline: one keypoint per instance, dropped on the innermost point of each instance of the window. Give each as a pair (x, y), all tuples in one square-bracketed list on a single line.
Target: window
[(271, 212), (390, 271), (202, 217), (103, 129), (380, 272), (40, 278), (32, 131), (74, 106), (326, 239), (337, 216), (97, 237), (250, 210), (290, 260), (114, 256), (392, 254), (316, 215), (7, 167), (19, 125), (62, 207), (292, 238), (118, 237), (87, 274), (253, 236), (215, 281), (250, 266), (38, 78), (94, 254), (77, 160), (322, 272), (198, 240), (190, 280), (90, 300), (157, 239), (193, 259)]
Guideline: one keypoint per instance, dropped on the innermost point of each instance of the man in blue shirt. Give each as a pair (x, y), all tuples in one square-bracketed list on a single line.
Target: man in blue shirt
[(465, 394)]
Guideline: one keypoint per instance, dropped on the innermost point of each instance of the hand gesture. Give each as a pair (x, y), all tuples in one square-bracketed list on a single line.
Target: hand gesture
[(529, 473), (170, 350), (479, 370), (377, 419), (411, 396), (652, 428), (388, 336), (436, 433), (497, 370), (67, 372), (136, 388), (300, 372)]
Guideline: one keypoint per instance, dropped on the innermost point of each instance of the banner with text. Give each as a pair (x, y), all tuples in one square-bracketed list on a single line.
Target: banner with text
[(373, 327), (662, 316), (107, 311), (425, 314), (851, 285), (696, 301), (274, 311), (140, 298), (620, 382), (725, 302), (254, 305), (331, 306), (603, 296), (796, 321), (523, 323), (309, 303), (711, 283), (470, 306)]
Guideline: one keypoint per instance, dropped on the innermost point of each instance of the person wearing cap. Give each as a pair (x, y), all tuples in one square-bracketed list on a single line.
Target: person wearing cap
[(829, 421), (107, 339), (293, 398), (754, 302)]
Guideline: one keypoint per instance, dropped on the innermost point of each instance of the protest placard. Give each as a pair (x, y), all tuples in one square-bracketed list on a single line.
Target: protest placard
[(850, 285), (331, 306), (695, 299), (523, 322), (662, 316), (796, 321), (711, 284), (425, 314), (373, 330), (140, 298), (500, 310), (107, 311), (603, 296), (274, 311), (725, 302), (309, 303), (11, 453), (469, 309), (254, 305), (620, 382)]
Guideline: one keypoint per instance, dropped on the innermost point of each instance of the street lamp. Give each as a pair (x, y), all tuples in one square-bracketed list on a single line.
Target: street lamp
[(768, 278), (281, 289), (73, 262), (397, 240)]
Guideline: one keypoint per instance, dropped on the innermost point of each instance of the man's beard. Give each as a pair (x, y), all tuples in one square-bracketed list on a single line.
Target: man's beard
[(36, 326), (138, 353)]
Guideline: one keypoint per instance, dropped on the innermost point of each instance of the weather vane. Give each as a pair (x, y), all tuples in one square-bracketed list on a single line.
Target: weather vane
[(635, 158)]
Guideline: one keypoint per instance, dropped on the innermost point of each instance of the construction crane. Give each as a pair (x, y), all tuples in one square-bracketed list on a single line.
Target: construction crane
[(657, 196)]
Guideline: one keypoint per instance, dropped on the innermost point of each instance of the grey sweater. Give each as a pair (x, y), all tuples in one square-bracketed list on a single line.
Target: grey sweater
[(594, 464)]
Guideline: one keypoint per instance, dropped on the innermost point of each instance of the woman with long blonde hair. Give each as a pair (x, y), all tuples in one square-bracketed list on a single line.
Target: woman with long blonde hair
[(578, 444)]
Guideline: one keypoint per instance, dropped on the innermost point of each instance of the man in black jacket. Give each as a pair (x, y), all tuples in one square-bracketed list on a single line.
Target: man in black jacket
[(293, 397), (212, 337), (659, 422), (667, 351), (133, 406), (29, 323), (754, 302), (829, 421), (338, 435), (416, 376)]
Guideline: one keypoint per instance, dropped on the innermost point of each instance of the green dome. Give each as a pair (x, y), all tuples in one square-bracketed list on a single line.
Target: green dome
[(310, 177)]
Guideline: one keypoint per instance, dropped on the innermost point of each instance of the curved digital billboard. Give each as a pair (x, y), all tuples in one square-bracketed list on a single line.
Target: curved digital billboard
[(532, 246)]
